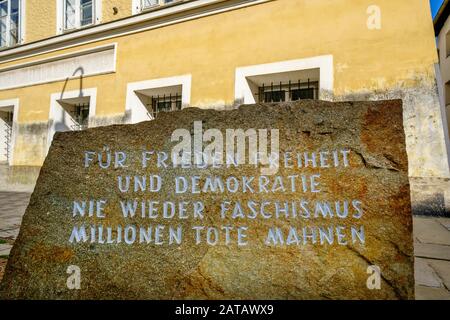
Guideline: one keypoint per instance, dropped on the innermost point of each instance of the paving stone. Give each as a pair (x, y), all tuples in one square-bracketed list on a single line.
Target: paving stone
[(12, 208), (11, 221), (445, 222), (428, 230), (9, 234), (442, 268), (433, 251), (5, 249), (427, 293), (425, 274)]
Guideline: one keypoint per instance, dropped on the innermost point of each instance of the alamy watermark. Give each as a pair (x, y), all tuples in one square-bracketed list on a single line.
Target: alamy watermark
[(374, 280), (210, 148), (374, 17), (74, 279)]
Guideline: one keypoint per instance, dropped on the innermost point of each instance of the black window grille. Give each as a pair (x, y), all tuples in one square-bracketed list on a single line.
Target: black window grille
[(80, 116), (274, 96), (164, 103), (289, 91), (8, 134)]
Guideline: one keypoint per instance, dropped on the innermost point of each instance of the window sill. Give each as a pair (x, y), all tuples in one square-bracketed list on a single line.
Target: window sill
[(153, 7), (157, 7), (12, 46), (67, 31)]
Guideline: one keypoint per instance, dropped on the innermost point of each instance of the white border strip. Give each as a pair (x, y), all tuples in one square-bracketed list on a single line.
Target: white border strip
[(71, 55), (64, 56), (23, 16), (15, 104)]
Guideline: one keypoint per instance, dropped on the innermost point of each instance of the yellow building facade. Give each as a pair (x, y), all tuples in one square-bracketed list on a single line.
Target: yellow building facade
[(72, 64)]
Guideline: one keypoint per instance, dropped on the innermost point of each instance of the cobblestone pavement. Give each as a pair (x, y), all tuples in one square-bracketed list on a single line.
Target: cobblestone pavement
[(12, 208), (432, 258), (431, 243)]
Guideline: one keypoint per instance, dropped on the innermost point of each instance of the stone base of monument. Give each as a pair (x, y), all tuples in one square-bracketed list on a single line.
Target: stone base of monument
[(305, 200)]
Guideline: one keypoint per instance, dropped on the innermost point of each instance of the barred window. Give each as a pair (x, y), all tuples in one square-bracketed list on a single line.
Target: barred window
[(6, 124), (164, 103), (80, 115), (10, 19), (288, 91)]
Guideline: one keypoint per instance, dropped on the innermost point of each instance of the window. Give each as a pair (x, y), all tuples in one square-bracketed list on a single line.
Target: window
[(164, 103), (272, 96), (6, 123), (288, 91), (71, 111), (78, 13), (76, 114), (10, 19), (307, 78), (80, 116), (146, 99), (163, 99)]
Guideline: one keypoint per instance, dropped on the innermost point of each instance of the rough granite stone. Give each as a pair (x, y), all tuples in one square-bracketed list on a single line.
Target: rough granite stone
[(373, 134)]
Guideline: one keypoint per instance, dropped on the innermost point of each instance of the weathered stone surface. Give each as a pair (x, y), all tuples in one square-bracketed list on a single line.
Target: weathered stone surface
[(373, 134), (4, 249), (2, 267)]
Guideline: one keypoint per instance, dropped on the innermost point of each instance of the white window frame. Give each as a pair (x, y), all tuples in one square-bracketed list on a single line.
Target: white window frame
[(138, 111), (21, 26), (14, 103), (244, 94), (138, 5), (61, 15), (56, 110)]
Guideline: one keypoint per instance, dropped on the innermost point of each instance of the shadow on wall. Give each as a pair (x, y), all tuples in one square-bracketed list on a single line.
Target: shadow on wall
[(61, 125)]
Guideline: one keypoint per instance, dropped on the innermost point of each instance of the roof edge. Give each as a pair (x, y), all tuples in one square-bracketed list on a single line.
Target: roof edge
[(441, 17)]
